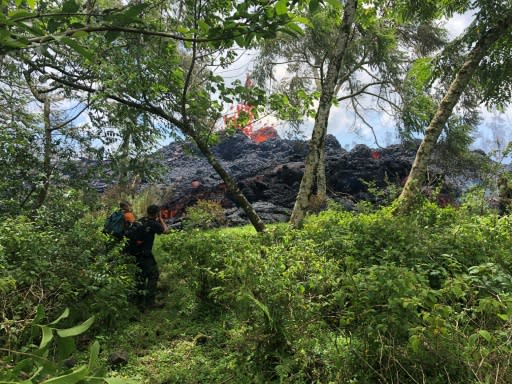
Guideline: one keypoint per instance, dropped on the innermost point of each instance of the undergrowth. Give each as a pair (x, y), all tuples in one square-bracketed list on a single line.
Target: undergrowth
[(363, 297), (351, 298)]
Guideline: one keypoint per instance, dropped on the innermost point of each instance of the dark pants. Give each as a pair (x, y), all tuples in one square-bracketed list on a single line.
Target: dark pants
[(147, 280)]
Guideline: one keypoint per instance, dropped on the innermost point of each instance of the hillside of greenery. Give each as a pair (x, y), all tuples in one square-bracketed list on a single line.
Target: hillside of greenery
[(352, 297)]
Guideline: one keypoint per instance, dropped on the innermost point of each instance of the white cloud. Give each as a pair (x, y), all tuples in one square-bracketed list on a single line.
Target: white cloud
[(458, 23)]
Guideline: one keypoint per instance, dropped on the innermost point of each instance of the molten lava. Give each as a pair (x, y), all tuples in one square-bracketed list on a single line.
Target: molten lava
[(242, 119)]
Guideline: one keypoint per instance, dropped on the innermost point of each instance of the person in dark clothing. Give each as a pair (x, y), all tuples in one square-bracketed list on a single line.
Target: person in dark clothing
[(504, 196), (142, 248)]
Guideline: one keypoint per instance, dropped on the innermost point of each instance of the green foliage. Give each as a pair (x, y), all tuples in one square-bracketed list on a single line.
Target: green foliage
[(58, 259), (350, 298), (45, 363), (205, 214)]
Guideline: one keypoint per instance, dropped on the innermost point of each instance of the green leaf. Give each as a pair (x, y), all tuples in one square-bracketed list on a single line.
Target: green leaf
[(73, 44), (294, 29), (64, 315), (313, 6), (130, 15), (47, 336), (414, 342), (19, 14), (334, 3), (65, 347), (70, 6), (94, 352), (203, 26), (281, 7), (76, 330), (135, 10), (75, 376), (39, 314), (302, 20), (80, 34), (485, 334), (53, 25)]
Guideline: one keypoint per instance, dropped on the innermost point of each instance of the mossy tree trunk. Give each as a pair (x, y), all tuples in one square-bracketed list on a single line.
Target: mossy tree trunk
[(412, 189), (313, 183)]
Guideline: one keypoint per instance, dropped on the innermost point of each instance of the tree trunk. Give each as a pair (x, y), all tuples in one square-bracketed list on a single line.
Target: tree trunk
[(412, 189), (47, 155), (231, 186), (47, 142), (313, 182)]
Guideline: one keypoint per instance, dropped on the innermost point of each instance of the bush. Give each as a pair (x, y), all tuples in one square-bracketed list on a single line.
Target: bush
[(205, 214), (358, 297), (66, 265)]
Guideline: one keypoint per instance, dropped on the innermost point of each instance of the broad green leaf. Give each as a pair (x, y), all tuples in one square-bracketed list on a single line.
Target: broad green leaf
[(78, 48), (294, 28), (281, 8), (75, 376), (47, 336), (302, 20), (414, 342), (334, 3), (80, 34), (94, 352), (53, 25), (110, 36), (64, 315), (76, 330), (128, 16), (70, 6), (203, 26), (135, 10), (485, 334), (39, 314), (31, 4), (65, 347)]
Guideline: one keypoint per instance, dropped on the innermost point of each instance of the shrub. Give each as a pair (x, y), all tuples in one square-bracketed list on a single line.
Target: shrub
[(58, 266), (47, 361), (205, 214), (358, 297)]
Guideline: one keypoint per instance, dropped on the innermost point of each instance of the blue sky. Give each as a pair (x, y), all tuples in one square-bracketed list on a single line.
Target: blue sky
[(349, 132)]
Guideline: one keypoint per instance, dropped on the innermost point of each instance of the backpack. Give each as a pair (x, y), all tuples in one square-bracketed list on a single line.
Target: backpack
[(114, 224), (136, 232)]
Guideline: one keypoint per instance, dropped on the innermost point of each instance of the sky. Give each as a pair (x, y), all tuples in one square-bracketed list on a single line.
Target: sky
[(492, 132)]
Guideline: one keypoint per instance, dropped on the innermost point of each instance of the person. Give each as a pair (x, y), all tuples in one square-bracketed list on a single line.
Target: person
[(140, 246), (128, 216), (504, 196), (119, 222)]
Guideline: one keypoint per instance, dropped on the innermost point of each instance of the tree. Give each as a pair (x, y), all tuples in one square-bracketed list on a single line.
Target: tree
[(164, 69), (313, 175), (41, 139), (365, 66), (487, 44)]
